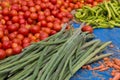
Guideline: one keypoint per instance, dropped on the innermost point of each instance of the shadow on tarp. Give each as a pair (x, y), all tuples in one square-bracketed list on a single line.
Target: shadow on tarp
[(104, 35)]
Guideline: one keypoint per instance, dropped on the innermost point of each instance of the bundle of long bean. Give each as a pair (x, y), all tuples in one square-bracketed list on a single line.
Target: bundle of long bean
[(104, 15), (56, 58)]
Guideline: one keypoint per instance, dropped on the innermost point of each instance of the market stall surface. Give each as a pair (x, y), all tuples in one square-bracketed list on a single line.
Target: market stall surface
[(104, 35)]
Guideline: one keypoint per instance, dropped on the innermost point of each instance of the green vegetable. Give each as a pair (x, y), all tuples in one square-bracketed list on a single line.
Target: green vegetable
[(101, 15)]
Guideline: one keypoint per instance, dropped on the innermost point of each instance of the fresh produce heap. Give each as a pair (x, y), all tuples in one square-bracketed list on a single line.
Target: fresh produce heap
[(55, 58), (25, 21), (104, 15)]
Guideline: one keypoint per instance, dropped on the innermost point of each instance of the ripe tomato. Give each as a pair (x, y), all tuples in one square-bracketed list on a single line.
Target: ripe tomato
[(1, 33), (5, 11), (9, 51), (5, 38), (53, 32), (25, 8), (33, 15), (27, 14), (50, 18), (12, 36), (43, 23), (41, 17), (53, 1), (57, 27), (15, 19), (25, 45), (17, 50), (43, 35), (13, 13), (12, 28), (32, 9), (14, 45), (87, 28), (90, 1), (18, 41), (6, 44), (37, 35), (43, 6), (26, 40), (20, 36), (50, 25), (47, 30), (0, 45), (2, 54), (35, 29), (24, 31)]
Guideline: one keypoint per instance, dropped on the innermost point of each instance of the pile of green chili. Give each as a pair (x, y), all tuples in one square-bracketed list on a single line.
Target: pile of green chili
[(104, 15)]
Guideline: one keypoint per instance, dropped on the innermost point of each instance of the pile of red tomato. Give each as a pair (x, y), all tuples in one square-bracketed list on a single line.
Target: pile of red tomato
[(26, 21)]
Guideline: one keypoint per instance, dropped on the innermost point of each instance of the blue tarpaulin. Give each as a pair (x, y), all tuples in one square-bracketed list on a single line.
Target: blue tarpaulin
[(104, 35)]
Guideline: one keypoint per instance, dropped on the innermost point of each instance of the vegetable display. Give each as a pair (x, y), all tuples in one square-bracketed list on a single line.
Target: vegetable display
[(56, 58), (25, 21), (104, 15)]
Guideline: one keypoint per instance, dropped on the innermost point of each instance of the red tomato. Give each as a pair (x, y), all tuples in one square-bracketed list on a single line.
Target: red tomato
[(50, 18), (35, 29), (18, 41), (2, 54), (39, 24), (57, 27), (90, 1), (53, 1), (6, 18), (50, 25), (20, 36), (24, 31), (26, 45), (87, 29), (1, 33), (95, 3), (30, 3), (27, 14), (41, 17), (43, 35), (12, 36), (15, 7), (37, 35), (54, 12), (24, 3), (38, 8), (13, 13), (43, 23), (5, 11), (53, 32), (32, 9), (5, 38), (43, 6), (14, 45), (0, 45), (12, 28), (26, 40), (6, 44), (9, 52), (47, 12), (22, 21), (15, 19), (25, 8), (17, 50), (47, 30), (33, 15)]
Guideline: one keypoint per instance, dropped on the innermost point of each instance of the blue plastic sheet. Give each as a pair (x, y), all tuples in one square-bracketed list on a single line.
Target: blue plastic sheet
[(104, 35)]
